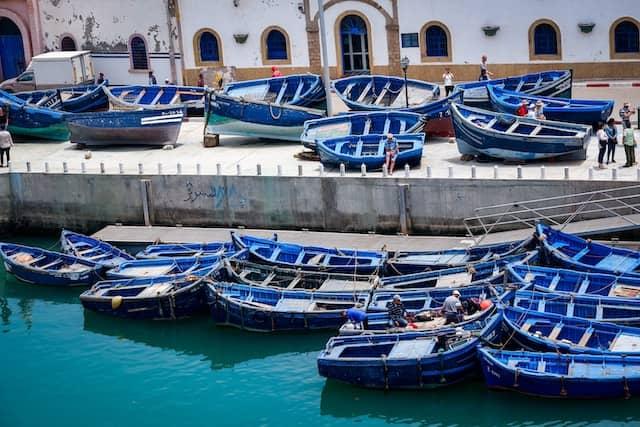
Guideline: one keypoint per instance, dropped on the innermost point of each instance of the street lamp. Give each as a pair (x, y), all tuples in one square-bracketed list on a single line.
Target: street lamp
[(404, 63)]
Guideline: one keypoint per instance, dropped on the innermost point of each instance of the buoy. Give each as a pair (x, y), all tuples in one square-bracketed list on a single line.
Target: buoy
[(485, 303), (116, 302)]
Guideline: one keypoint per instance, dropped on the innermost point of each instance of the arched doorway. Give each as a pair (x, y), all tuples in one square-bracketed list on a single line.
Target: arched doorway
[(12, 60), (354, 42)]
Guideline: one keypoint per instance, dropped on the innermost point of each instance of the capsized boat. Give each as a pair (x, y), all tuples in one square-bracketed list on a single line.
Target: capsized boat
[(129, 98), (172, 250), (565, 376), (75, 99), (373, 122), (34, 122), (412, 360), (262, 309), (509, 137), (91, 249), (584, 111), (41, 267), (369, 150), (162, 266)]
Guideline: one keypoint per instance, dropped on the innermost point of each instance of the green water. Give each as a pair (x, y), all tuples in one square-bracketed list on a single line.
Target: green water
[(61, 366)]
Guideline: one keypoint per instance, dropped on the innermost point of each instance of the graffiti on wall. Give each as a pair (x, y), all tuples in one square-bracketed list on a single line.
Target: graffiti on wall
[(216, 194)]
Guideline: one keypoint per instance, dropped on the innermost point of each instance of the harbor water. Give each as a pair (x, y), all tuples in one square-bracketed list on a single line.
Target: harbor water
[(62, 366)]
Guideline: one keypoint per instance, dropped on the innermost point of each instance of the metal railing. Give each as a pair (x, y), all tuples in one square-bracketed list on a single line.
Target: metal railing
[(558, 211)]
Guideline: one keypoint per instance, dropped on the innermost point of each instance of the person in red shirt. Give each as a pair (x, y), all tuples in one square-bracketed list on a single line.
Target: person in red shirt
[(523, 109), (275, 72)]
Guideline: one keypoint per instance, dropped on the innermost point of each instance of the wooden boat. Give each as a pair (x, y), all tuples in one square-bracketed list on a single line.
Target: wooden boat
[(356, 150), (548, 279), (565, 376), (261, 309), (579, 254), (162, 266), (76, 99), (562, 110), (373, 122), (311, 258), (426, 308), (131, 98), (162, 297), (34, 122), (457, 276), (239, 269), (303, 90), (155, 127), (41, 267), (91, 249), (555, 84), (408, 360), (621, 311), (509, 137), (538, 331), (370, 93), (172, 250), (401, 262)]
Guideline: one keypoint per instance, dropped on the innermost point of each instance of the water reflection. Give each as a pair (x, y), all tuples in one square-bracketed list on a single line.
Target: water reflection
[(223, 347)]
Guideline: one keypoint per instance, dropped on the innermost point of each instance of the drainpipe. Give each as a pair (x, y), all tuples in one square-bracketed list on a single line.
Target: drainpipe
[(170, 9)]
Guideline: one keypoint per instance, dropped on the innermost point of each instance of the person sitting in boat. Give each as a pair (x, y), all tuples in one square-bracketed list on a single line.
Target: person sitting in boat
[(538, 110), (356, 317), (397, 312), (523, 109), (391, 149), (275, 72), (452, 308)]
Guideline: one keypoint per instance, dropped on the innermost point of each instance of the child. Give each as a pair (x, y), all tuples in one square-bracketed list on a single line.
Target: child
[(629, 142)]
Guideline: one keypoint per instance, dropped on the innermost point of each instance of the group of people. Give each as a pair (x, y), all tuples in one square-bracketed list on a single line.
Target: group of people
[(452, 310), (448, 76), (608, 139)]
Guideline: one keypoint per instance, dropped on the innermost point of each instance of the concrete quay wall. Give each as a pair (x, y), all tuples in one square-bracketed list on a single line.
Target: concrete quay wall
[(85, 202)]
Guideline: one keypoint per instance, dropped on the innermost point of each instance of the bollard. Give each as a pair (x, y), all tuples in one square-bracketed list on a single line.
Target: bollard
[(450, 171), (495, 172), (29, 167), (363, 170), (542, 172), (102, 168), (121, 168), (179, 168), (159, 168), (259, 169), (83, 167), (407, 171), (566, 173), (638, 174), (428, 171), (473, 172), (519, 172), (591, 172), (218, 169), (321, 170), (614, 174), (300, 173), (65, 167), (342, 169), (140, 168), (385, 171), (279, 170), (9, 165), (198, 169), (238, 171), (46, 167)]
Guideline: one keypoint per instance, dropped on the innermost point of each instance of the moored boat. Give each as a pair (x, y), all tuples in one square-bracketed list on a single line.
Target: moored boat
[(509, 137), (162, 266), (91, 249), (156, 97), (369, 150), (172, 250), (34, 122), (303, 90), (76, 99)]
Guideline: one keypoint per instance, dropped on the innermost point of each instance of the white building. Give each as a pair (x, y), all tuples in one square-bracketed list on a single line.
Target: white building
[(178, 38)]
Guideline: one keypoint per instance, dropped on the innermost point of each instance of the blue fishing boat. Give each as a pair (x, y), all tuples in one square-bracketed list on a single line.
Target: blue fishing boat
[(156, 96), (548, 279), (508, 137), (153, 127), (41, 267), (91, 249), (409, 360), (172, 250), (561, 375), (373, 122), (269, 310), (371, 93), (457, 276), (538, 331), (76, 99), (303, 90), (621, 311), (162, 297), (162, 266), (555, 84), (562, 110), (312, 258), (356, 150), (579, 254), (401, 262), (34, 122)]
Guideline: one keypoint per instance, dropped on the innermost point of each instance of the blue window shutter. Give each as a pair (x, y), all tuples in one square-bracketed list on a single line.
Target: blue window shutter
[(139, 54), (545, 40), (276, 45), (436, 41), (627, 38), (209, 47)]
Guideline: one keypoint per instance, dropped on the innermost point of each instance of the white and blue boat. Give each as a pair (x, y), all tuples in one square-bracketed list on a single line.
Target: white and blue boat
[(162, 267), (173, 250), (556, 84), (561, 376), (156, 97), (508, 137), (91, 249), (356, 150), (34, 122), (373, 122), (303, 90), (76, 99), (583, 111), (41, 267)]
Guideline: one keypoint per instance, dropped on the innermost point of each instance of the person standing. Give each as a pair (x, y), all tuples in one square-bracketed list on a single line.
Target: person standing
[(625, 115), (275, 72), (200, 80), (452, 308), (391, 151), (612, 140), (629, 142), (523, 109), (485, 74), (603, 139), (5, 146), (152, 79), (4, 117), (448, 77), (101, 78), (538, 110)]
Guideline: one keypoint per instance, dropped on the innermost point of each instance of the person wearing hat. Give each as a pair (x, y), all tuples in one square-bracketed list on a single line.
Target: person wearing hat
[(397, 312), (452, 308), (523, 109), (538, 110), (391, 149), (625, 115)]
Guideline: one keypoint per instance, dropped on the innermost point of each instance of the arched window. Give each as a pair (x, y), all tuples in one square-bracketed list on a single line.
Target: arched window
[(138, 52), (544, 40), (275, 46), (209, 47), (436, 42), (354, 42), (67, 44), (626, 37)]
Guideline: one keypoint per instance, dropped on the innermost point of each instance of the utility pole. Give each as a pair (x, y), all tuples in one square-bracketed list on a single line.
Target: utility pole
[(325, 58)]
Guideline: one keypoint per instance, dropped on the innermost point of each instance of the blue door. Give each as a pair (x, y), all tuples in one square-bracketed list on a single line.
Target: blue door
[(355, 45), (11, 50)]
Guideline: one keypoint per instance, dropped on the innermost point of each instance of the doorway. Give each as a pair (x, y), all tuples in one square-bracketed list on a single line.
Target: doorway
[(12, 61)]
